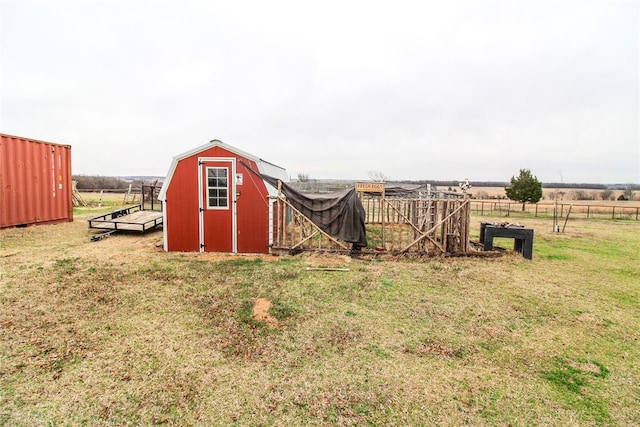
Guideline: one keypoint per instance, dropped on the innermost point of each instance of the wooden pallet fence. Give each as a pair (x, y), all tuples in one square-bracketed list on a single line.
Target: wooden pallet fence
[(419, 225), (394, 225), (293, 231)]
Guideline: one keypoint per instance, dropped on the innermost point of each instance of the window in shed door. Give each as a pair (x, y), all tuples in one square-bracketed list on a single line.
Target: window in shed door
[(218, 188)]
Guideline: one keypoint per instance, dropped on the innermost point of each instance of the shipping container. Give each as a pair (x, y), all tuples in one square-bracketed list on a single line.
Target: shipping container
[(35, 182)]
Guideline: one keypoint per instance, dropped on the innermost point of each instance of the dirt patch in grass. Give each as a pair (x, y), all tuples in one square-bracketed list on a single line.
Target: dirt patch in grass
[(261, 308)]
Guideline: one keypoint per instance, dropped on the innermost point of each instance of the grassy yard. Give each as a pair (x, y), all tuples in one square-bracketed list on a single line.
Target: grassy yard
[(118, 332)]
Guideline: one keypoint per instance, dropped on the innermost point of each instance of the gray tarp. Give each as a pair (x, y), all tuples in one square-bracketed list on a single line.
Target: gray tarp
[(339, 214), (404, 190)]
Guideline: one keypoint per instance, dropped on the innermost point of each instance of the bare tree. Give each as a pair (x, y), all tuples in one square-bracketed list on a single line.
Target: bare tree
[(606, 194), (482, 195), (583, 195), (97, 182), (303, 177), (378, 176), (628, 193)]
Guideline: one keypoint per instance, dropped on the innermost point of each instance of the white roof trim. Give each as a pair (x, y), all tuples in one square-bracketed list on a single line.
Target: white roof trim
[(217, 143)]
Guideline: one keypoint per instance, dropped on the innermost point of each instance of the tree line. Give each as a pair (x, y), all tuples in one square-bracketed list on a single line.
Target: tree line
[(97, 182)]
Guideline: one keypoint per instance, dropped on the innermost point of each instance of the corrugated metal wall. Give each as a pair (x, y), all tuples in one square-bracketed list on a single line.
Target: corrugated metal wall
[(35, 182)]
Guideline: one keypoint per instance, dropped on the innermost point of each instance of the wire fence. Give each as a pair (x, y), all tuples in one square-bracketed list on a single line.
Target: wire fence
[(508, 208)]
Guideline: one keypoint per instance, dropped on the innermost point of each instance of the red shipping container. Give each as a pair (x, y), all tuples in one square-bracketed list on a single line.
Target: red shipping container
[(35, 182)]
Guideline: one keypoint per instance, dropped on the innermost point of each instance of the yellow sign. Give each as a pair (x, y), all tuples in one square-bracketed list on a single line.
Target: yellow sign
[(370, 187)]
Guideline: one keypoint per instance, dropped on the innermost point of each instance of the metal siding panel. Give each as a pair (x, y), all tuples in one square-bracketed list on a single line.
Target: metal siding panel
[(273, 170), (36, 188), (35, 182), (68, 186)]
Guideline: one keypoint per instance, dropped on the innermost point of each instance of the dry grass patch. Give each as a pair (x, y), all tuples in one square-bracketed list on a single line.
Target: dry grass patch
[(120, 333)]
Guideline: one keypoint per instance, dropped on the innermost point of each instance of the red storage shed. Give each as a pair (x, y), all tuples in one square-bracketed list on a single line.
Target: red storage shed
[(35, 182), (213, 202)]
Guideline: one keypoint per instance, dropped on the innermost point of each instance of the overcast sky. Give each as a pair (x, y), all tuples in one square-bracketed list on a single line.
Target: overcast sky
[(333, 89)]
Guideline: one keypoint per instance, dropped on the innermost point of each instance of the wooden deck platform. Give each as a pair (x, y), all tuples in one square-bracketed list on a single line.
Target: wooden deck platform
[(128, 219)]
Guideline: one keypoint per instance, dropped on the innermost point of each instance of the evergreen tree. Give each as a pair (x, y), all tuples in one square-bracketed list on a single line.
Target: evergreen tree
[(524, 188)]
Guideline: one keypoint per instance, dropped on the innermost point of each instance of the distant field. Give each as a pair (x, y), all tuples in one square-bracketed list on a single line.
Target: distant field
[(120, 333), (485, 200), (564, 194)]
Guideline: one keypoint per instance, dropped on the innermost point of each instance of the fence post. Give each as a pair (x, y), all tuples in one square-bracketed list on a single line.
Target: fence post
[(501, 208)]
